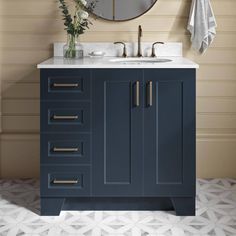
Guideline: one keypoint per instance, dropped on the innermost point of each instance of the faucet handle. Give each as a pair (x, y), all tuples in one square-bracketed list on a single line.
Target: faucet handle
[(153, 48), (124, 48)]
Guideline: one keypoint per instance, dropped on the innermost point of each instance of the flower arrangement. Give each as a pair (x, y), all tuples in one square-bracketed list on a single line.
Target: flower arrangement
[(77, 24)]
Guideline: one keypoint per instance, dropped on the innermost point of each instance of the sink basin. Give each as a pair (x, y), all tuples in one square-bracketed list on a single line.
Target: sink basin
[(140, 60)]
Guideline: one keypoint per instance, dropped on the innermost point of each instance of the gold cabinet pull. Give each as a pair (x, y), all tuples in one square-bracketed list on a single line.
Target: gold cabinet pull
[(58, 85), (56, 117), (69, 181), (136, 98), (56, 149), (149, 93)]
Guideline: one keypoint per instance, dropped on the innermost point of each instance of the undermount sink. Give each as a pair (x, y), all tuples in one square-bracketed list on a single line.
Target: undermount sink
[(140, 60)]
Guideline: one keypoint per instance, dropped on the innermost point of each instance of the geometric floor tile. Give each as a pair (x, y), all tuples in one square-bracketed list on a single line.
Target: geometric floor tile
[(215, 215)]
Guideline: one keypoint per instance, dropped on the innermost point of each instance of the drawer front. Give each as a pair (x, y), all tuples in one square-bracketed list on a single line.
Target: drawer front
[(65, 148), (62, 84), (65, 117), (61, 181)]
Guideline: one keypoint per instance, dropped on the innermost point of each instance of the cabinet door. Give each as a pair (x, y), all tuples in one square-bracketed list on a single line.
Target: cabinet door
[(117, 132), (169, 132)]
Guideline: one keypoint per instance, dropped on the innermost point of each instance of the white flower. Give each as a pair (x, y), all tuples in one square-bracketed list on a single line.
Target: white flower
[(84, 2), (82, 14)]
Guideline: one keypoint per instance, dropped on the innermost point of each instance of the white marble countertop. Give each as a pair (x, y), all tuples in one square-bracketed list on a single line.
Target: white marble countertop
[(105, 62)]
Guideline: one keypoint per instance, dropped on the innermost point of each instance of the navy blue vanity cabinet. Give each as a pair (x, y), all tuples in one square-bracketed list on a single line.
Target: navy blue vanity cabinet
[(118, 139), (117, 132)]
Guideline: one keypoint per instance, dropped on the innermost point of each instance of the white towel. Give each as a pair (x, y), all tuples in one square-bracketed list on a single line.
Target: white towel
[(202, 25)]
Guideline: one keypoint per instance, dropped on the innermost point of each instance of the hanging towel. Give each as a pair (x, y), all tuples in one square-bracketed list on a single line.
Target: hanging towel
[(202, 25)]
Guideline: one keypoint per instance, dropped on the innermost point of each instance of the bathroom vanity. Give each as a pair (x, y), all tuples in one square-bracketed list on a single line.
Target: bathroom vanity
[(117, 135)]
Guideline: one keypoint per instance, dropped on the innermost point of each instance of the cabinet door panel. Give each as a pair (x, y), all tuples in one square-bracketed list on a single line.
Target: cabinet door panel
[(169, 134), (117, 132), (117, 151), (168, 106)]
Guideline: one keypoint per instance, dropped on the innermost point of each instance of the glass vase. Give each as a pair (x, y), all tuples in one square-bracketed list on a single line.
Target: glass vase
[(72, 49)]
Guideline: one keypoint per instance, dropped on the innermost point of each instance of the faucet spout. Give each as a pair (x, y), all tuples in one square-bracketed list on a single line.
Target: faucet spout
[(140, 34)]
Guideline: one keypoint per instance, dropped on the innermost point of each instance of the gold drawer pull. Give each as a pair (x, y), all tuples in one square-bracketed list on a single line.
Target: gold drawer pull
[(136, 98), (149, 93), (55, 149), (57, 85), (72, 181), (55, 117)]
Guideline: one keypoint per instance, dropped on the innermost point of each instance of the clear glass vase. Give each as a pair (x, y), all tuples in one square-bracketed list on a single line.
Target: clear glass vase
[(72, 49)]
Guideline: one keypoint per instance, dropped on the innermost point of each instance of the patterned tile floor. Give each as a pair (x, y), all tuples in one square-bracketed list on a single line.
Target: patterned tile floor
[(216, 215)]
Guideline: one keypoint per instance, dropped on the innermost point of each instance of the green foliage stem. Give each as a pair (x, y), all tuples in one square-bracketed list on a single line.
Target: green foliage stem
[(74, 25)]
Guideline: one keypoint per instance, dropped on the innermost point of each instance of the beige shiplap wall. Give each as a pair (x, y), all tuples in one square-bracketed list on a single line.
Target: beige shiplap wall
[(28, 29)]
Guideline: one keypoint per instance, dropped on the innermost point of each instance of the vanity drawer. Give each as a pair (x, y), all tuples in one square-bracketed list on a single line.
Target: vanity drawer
[(62, 84), (65, 117), (61, 181), (64, 148)]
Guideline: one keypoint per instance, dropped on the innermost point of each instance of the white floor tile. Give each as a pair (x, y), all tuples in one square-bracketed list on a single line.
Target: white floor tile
[(215, 215)]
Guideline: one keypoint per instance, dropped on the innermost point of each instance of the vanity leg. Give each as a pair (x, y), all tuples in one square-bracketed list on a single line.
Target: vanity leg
[(184, 206), (51, 206)]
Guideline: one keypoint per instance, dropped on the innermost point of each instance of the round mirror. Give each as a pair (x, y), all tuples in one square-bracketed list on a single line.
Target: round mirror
[(121, 10)]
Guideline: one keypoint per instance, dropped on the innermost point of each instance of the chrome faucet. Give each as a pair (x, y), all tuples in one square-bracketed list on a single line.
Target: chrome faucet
[(140, 34)]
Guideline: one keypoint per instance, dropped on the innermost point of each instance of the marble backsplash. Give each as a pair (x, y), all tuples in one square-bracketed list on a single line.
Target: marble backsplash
[(110, 49)]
